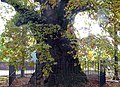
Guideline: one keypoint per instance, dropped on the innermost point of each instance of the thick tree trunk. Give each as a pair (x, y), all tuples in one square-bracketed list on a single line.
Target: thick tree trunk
[(67, 71)]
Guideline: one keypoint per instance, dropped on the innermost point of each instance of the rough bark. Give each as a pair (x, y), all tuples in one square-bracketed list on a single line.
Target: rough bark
[(66, 68)]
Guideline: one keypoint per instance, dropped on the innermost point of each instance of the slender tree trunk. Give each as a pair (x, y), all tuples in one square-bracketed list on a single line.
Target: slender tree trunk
[(116, 69), (22, 72), (12, 74), (115, 55), (102, 74)]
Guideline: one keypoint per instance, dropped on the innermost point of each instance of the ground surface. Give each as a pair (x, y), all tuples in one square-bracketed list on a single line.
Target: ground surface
[(23, 82)]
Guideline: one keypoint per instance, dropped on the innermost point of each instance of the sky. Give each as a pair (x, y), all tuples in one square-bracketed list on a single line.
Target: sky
[(85, 26), (6, 12)]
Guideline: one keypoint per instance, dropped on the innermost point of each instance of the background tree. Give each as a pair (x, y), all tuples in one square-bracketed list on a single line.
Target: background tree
[(108, 14), (17, 43), (111, 24)]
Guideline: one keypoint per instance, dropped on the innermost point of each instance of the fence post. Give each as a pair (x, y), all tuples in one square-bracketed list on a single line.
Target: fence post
[(102, 73), (22, 69), (22, 72), (12, 74), (116, 69)]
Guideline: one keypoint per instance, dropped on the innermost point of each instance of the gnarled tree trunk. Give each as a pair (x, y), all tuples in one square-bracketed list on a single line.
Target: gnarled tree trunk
[(67, 71)]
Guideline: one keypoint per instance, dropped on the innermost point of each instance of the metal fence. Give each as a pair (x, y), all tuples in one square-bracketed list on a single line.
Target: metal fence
[(8, 74), (91, 69)]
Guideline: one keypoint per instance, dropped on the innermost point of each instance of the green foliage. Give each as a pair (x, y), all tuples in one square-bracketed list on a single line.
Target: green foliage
[(19, 4), (71, 8), (45, 31), (111, 10), (45, 34), (27, 33), (17, 42), (1, 47), (94, 49), (44, 57), (91, 48)]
